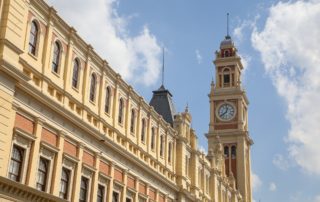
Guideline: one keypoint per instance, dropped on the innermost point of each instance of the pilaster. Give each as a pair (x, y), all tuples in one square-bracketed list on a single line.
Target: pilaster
[(77, 174), (34, 154), (56, 174)]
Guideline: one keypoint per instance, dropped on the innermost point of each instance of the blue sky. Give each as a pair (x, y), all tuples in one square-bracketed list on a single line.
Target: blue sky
[(279, 43)]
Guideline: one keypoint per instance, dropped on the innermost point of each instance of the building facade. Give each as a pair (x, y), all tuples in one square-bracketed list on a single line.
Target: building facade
[(73, 130)]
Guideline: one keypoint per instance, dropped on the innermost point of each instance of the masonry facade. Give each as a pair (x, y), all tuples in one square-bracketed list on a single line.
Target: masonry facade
[(73, 130)]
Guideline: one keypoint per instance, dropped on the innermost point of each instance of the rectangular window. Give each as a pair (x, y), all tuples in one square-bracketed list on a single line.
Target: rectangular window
[(100, 195), (15, 169), (84, 187), (115, 197), (64, 183), (226, 79), (42, 174)]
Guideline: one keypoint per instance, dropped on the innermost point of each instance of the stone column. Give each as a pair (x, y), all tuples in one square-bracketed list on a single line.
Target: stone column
[(34, 154), (95, 178), (110, 189), (57, 168), (77, 174)]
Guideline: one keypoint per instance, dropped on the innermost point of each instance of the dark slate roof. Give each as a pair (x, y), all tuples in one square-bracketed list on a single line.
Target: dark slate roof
[(163, 104)]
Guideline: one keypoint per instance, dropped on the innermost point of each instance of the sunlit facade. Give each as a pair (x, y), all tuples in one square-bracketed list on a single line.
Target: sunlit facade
[(73, 130)]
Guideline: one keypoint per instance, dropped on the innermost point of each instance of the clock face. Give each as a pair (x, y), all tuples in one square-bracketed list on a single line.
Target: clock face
[(226, 112)]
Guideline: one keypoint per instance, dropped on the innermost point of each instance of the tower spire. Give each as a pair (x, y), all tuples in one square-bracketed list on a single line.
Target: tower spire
[(228, 36), (162, 66)]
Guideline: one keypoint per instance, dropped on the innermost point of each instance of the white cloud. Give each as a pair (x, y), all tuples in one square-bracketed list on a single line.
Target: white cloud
[(199, 57), (240, 29), (256, 181), (136, 58), (281, 162), (317, 199), (289, 47), (272, 186)]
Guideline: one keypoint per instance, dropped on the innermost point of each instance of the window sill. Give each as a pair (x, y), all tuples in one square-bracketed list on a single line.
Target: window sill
[(75, 89), (92, 102), (33, 56), (55, 73)]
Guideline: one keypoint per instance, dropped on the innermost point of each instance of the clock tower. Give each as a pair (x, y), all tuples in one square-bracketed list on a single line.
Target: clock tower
[(229, 117)]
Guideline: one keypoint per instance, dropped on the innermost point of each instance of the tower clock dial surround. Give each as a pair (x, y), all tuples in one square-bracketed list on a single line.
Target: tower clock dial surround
[(226, 111)]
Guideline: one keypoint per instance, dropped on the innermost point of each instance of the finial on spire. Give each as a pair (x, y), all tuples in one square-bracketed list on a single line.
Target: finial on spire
[(187, 108), (162, 66), (228, 36)]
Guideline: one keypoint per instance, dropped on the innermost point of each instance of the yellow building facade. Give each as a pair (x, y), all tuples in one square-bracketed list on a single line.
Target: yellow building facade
[(73, 130)]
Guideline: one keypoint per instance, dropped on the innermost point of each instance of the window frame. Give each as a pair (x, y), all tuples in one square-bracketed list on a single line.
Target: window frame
[(107, 102), (103, 197), (143, 130), (56, 57), (35, 38), (133, 121), (67, 183), (45, 173), (86, 189), (22, 151), (93, 87), (153, 138), (75, 77), (121, 111)]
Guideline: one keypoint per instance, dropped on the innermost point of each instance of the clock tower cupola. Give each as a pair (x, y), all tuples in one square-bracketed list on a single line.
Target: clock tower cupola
[(229, 116)]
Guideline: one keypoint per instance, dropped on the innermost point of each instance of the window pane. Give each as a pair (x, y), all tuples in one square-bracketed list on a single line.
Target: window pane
[(16, 163)]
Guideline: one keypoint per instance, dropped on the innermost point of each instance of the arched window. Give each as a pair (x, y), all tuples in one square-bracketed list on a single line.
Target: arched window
[(132, 121), (226, 151), (233, 152), (75, 73), (143, 130), (33, 38), (226, 53), (107, 101), (170, 152), (64, 183), (93, 84), (120, 114), (56, 57), (161, 145), (42, 174), (153, 134), (83, 189), (15, 169), (226, 77)]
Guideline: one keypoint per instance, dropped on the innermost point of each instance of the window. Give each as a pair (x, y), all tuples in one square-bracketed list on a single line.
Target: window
[(107, 101), (93, 87), (128, 200), (84, 189), (56, 57), (33, 38), (15, 169), (187, 166), (152, 138), (143, 130), (226, 151), (233, 152), (100, 195), (170, 152), (120, 115), (226, 77), (42, 174), (161, 145), (226, 53), (75, 73), (115, 197), (132, 121), (64, 183)]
